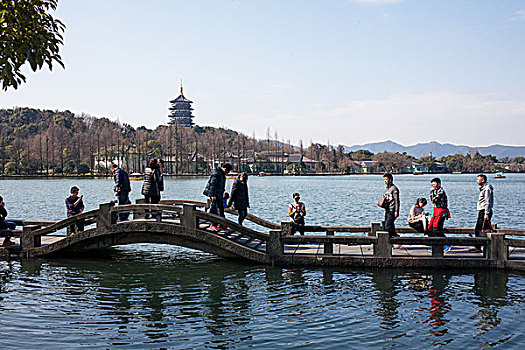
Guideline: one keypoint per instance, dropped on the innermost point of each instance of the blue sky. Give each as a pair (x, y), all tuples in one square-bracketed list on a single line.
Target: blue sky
[(340, 71)]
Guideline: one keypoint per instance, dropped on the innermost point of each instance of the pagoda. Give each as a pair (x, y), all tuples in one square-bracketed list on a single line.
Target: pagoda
[(181, 111)]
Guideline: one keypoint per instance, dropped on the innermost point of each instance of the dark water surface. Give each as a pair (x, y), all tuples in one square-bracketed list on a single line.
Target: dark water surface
[(156, 296)]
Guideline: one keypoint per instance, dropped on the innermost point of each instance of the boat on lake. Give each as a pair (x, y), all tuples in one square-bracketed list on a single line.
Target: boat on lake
[(136, 177), (499, 176)]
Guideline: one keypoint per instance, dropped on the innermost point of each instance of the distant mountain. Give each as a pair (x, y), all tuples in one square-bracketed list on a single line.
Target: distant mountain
[(439, 149)]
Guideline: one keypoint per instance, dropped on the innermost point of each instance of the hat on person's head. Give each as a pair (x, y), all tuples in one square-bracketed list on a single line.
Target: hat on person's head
[(296, 195)]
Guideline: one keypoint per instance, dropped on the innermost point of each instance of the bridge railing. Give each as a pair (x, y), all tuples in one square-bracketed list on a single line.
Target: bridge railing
[(209, 218), (31, 236), (496, 245)]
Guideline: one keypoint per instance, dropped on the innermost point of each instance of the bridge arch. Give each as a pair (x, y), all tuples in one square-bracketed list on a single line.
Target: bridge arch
[(151, 232)]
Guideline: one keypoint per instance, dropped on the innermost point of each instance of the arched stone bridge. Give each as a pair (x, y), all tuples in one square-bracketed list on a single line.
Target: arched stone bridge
[(185, 223)]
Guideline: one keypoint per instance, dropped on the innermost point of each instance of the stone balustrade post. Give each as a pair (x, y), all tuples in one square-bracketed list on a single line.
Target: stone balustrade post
[(105, 217), (286, 228), (374, 227), (189, 218), (437, 251), (28, 240), (137, 214), (329, 246), (383, 248), (497, 248)]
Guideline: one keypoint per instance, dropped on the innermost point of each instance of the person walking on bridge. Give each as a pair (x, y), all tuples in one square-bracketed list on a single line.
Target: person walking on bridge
[(122, 189), (390, 204), (239, 197), (151, 185), (485, 204), (215, 188)]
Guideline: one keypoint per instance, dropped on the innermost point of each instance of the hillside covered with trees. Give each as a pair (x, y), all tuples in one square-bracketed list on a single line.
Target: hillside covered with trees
[(46, 142)]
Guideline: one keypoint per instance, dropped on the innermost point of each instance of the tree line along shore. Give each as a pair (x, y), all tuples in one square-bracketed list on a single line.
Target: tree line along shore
[(59, 143)]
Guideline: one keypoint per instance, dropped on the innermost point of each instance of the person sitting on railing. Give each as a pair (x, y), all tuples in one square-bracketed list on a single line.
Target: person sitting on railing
[(439, 198), (417, 218), (239, 197), (297, 212), (5, 225), (75, 206)]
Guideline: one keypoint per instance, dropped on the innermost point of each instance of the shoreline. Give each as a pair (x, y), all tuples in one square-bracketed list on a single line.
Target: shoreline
[(102, 176)]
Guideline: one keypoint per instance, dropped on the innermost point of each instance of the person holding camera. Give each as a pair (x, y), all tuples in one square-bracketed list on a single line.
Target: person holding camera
[(297, 212), (75, 206)]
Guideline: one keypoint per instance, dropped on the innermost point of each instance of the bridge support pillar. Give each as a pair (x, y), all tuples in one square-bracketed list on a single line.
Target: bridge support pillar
[(383, 248), (497, 249), (28, 240), (374, 227), (188, 218), (275, 246)]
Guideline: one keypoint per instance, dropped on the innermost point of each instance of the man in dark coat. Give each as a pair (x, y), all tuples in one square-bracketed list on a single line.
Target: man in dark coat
[(392, 206), (122, 189), (239, 197), (215, 188)]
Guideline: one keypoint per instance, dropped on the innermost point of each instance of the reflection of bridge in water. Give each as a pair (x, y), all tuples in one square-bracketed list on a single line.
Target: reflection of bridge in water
[(185, 223)]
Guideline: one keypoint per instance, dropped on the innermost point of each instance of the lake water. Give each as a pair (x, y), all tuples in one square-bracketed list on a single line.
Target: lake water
[(156, 296)]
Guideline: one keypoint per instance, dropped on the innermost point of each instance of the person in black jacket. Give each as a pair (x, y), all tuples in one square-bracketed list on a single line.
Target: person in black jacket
[(215, 188), (151, 185), (239, 196), (122, 189)]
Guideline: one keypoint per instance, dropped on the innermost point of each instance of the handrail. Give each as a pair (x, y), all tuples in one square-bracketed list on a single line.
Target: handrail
[(20, 222), (64, 223), (183, 201), (511, 231), (352, 229), (256, 219), (148, 206), (364, 240), (513, 242), (223, 221)]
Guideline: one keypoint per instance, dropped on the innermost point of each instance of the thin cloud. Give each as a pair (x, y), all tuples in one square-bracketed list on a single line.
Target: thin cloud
[(518, 16), (377, 2), (281, 85), (408, 118)]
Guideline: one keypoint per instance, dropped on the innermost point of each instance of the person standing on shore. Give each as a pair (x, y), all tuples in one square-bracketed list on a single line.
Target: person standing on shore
[(5, 225), (215, 188), (239, 197), (122, 189), (391, 204), (484, 206), (75, 206)]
